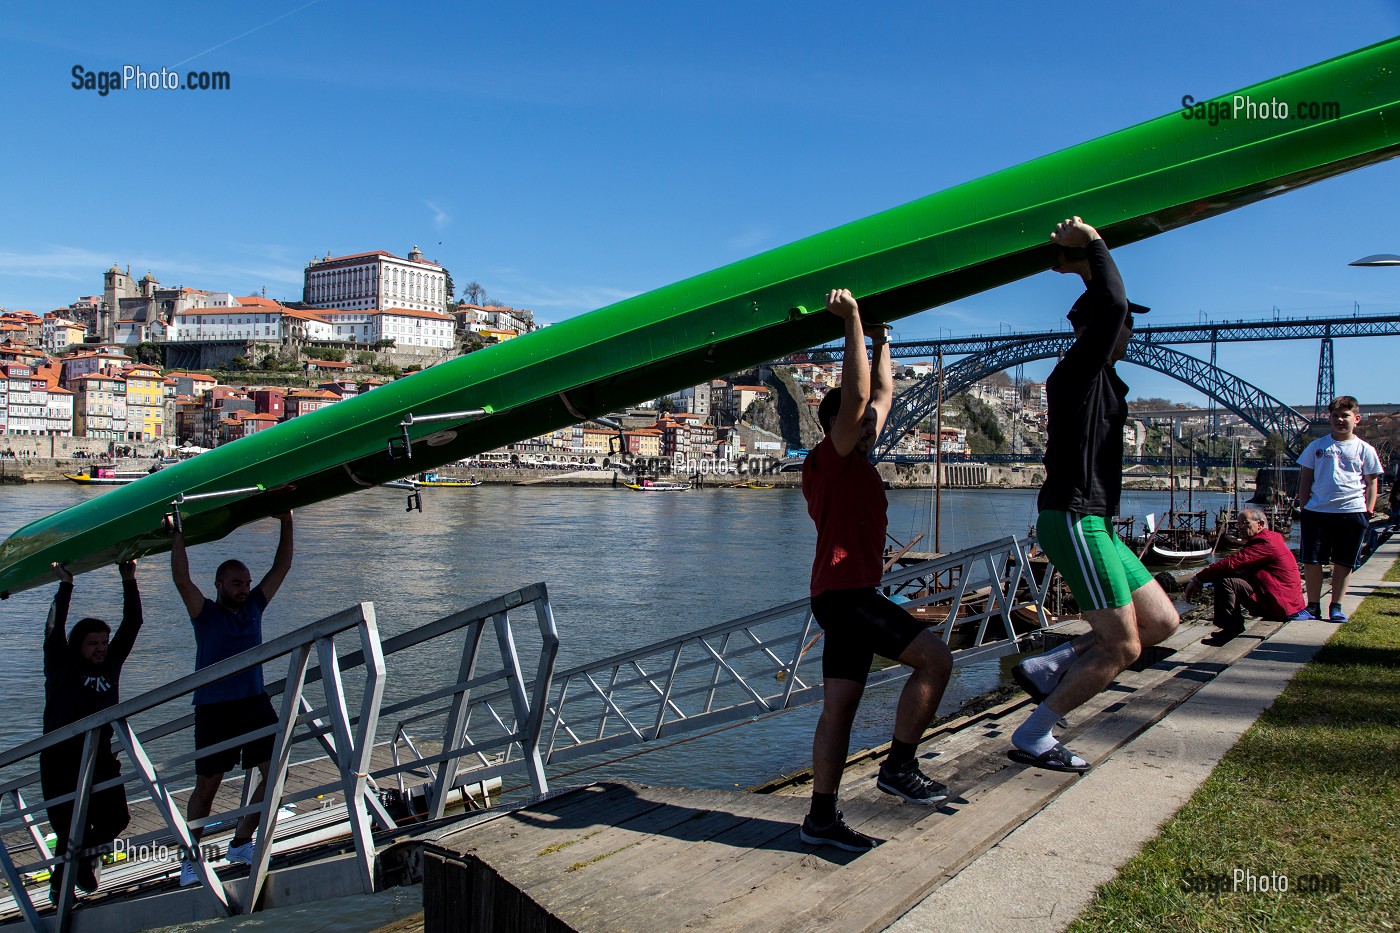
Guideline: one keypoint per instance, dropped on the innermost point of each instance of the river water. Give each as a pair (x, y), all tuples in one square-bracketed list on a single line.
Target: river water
[(623, 571)]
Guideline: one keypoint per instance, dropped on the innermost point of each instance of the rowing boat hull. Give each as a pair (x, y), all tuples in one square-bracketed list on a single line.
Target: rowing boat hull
[(1132, 184)]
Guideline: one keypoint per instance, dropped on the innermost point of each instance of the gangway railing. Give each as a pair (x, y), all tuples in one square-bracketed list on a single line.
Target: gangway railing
[(488, 711), (489, 720), (353, 741), (766, 661)]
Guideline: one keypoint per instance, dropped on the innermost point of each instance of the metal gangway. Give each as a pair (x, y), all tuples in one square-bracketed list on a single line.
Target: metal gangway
[(485, 722)]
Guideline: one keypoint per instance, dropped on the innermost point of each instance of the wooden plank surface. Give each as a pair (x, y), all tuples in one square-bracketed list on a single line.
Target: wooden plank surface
[(622, 857)]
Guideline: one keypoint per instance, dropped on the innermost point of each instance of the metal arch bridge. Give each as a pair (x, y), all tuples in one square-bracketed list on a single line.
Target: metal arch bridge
[(1387, 325), (986, 354), (1259, 409)]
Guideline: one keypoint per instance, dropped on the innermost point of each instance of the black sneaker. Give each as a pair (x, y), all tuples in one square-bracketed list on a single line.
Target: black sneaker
[(837, 834), (909, 783), (86, 874)]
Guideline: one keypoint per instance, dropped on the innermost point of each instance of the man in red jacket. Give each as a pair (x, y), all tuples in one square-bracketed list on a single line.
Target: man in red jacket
[(1261, 577)]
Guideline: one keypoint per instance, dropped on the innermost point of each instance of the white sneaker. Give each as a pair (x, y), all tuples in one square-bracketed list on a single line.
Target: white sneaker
[(240, 855), (188, 875)]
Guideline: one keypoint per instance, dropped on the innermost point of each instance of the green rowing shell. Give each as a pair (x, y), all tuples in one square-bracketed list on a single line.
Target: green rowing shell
[(1132, 184)]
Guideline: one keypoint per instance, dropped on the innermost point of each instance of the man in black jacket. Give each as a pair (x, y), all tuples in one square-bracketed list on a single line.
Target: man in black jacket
[(82, 671), (1124, 606)]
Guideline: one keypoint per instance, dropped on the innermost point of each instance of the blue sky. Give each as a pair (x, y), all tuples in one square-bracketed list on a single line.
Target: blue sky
[(568, 155)]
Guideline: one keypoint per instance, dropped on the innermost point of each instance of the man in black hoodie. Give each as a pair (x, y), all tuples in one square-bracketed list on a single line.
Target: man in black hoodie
[(82, 670), (1124, 606)]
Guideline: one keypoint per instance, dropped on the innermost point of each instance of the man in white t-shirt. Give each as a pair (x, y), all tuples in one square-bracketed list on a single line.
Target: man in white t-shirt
[(1340, 476)]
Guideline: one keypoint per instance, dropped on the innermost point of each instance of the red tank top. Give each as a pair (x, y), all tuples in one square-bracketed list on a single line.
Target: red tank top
[(846, 499)]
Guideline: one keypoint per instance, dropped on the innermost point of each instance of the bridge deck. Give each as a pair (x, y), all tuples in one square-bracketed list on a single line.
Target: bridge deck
[(614, 857)]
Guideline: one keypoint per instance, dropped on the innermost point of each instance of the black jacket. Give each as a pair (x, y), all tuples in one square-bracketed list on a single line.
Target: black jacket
[(73, 689), (1088, 403)]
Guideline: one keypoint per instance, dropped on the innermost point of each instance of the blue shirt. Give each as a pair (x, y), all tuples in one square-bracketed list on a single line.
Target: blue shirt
[(219, 634)]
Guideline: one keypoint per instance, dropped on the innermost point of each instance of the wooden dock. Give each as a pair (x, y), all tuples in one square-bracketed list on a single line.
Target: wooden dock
[(621, 857)]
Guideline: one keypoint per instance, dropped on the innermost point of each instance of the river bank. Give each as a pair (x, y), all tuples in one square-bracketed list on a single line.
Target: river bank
[(35, 469)]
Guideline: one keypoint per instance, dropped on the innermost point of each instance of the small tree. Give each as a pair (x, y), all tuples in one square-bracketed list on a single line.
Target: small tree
[(239, 362), (448, 289), (269, 362), (473, 292), (333, 354), (364, 358)]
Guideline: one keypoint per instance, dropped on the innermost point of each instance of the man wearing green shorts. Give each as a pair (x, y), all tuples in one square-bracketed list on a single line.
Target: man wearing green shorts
[(1125, 608)]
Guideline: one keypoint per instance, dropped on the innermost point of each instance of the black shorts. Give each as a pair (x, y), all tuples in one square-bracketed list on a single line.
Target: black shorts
[(1333, 537), (860, 624), (219, 722)]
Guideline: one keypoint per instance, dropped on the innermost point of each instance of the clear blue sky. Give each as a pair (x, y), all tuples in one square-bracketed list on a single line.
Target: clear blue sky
[(568, 155)]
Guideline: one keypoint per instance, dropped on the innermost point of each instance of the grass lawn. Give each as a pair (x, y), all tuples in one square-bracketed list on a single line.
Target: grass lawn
[(1311, 792)]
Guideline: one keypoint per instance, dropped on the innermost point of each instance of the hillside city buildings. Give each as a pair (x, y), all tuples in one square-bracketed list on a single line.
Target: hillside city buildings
[(73, 371)]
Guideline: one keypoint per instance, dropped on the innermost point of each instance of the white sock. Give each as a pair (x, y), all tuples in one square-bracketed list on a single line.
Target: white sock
[(1034, 735), (1045, 670)]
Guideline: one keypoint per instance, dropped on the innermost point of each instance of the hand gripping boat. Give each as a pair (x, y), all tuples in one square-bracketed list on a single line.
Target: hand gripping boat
[(1132, 184)]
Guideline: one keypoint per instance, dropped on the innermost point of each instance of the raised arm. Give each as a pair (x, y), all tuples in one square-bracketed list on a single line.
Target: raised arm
[(282, 562), (125, 635), (1104, 285), (180, 572), (56, 626), (881, 375), (855, 374)]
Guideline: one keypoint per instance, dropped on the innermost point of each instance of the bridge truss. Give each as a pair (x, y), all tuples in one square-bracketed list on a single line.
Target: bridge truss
[(1259, 409)]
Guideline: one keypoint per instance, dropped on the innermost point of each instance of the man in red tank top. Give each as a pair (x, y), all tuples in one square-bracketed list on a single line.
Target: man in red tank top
[(846, 499)]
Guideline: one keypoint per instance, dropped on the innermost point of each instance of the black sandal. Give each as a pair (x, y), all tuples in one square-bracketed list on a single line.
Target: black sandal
[(1058, 758)]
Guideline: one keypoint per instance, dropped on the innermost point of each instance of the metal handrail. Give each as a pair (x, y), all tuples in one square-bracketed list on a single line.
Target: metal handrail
[(755, 664), (353, 757)]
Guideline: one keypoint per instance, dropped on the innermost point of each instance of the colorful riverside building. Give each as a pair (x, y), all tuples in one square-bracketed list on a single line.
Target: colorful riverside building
[(304, 401), (99, 406), (27, 406), (145, 403)]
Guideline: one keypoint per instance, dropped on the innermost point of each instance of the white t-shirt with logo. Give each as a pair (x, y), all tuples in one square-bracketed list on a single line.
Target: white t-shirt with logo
[(1339, 470)]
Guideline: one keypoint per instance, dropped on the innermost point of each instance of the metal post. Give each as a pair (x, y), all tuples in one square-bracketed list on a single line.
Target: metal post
[(276, 777), (515, 682), (456, 727), (1326, 381)]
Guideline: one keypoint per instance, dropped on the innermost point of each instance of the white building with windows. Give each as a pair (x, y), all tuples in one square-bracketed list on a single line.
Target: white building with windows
[(26, 401), (378, 279), (407, 327), (244, 322)]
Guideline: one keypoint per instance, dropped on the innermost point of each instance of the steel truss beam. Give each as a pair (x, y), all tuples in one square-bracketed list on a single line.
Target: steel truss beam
[(1259, 409)]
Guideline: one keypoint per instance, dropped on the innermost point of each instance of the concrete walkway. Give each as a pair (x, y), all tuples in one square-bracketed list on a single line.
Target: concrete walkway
[(1042, 875)]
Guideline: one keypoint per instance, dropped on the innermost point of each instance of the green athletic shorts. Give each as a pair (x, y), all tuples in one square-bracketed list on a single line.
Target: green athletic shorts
[(1100, 570)]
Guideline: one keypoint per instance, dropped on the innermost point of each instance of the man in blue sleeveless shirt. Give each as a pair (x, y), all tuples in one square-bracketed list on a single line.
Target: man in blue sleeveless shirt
[(237, 704)]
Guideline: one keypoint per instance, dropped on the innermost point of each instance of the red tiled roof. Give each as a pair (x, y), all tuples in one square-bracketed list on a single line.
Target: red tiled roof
[(377, 252), (408, 312)]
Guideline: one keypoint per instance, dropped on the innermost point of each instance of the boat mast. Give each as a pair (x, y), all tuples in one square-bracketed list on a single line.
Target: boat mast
[(1171, 472), (938, 464)]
